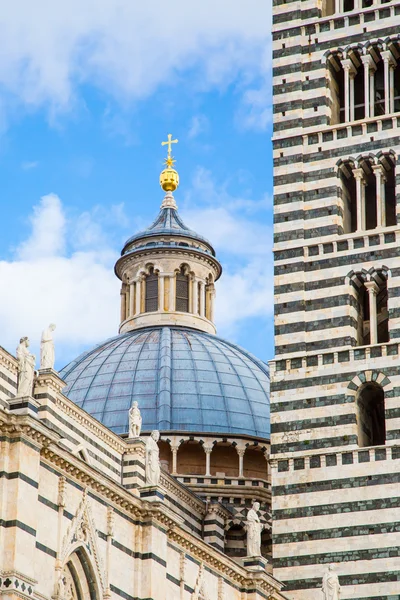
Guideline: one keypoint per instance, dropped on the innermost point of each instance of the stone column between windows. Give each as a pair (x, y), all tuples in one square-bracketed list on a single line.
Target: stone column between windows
[(202, 299), (349, 72), (138, 296), (127, 301), (241, 452), (380, 177), (391, 87), (212, 302), (368, 64), (360, 198), (174, 450), (195, 296), (172, 288), (123, 303), (132, 299), (161, 291), (388, 80), (339, 6), (208, 450), (372, 289)]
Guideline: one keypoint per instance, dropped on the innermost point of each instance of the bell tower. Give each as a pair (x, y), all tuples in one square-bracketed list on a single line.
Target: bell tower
[(335, 395)]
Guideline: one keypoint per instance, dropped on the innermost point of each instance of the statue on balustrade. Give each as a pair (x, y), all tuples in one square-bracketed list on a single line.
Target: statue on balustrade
[(47, 355), (254, 528), (135, 421), (26, 368), (153, 469), (330, 584)]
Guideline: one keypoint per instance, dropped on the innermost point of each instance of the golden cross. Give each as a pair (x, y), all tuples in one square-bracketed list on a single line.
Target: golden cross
[(169, 144)]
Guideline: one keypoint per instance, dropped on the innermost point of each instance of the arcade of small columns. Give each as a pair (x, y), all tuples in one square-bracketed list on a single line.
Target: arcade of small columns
[(351, 61), (338, 6), (174, 457), (201, 295), (358, 170)]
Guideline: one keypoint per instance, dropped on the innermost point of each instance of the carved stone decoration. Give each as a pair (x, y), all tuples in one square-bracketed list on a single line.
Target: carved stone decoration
[(82, 532), (153, 468), (110, 521), (330, 584), (221, 589), (62, 489), (135, 421), (254, 528), (26, 368), (47, 355), (200, 589)]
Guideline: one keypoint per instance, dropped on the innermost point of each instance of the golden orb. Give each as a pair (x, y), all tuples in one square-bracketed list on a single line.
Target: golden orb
[(169, 180)]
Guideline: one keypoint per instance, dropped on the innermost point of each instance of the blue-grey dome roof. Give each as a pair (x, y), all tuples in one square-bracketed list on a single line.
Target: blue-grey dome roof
[(168, 222), (183, 380)]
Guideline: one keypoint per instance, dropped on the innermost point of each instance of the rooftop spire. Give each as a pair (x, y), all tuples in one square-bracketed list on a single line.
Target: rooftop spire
[(169, 178)]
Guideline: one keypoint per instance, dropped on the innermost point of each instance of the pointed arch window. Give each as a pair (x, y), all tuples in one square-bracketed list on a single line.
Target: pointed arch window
[(182, 291), (151, 304)]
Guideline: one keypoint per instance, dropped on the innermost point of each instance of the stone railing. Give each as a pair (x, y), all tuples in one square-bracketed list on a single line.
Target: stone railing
[(328, 358), (333, 459)]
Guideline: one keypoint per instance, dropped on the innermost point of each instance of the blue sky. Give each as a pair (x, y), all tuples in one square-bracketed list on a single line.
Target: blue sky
[(88, 90)]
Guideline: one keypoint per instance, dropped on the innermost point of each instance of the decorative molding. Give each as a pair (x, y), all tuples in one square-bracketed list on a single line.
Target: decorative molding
[(171, 485), (83, 532), (16, 584), (99, 431)]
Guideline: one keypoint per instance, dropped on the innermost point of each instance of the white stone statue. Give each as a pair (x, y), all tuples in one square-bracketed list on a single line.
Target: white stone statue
[(330, 584), (47, 356), (26, 368), (135, 421), (153, 469), (254, 528)]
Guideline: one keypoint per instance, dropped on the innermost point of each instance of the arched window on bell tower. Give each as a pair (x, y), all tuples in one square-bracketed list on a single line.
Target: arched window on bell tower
[(151, 283), (182, 291), (372, 307), (371, 415)]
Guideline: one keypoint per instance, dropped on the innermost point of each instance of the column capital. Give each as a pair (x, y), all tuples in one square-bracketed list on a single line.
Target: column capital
[(388, 57), (367, 60), (348, 65), (359, 174), (208, 449), (372, 287), (379, 169), (241, 451)]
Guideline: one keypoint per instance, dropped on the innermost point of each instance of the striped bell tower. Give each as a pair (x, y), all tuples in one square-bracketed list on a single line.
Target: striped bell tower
[(335, 401)]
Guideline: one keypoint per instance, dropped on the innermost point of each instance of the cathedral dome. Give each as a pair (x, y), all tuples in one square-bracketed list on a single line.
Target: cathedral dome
[(183, 380)]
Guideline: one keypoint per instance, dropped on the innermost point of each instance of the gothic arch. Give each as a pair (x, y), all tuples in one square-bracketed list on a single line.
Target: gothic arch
[(80, 557), (78, 579)]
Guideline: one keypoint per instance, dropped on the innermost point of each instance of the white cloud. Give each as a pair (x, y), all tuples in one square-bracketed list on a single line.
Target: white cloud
[(126, 48), (48, 281), (237, 228), (198, 125), (63, 271), (29, 164)]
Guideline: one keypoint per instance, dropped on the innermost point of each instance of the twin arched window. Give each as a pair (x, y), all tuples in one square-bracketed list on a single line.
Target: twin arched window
[(368, 190)]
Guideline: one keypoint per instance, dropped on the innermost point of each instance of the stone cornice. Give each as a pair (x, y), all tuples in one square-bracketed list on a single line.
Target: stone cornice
[(225, 567), (178, 490), (8, 361), (134, 256), (100, 431)]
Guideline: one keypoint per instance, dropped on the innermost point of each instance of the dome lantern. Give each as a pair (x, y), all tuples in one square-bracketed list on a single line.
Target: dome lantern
[(168, 271)]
